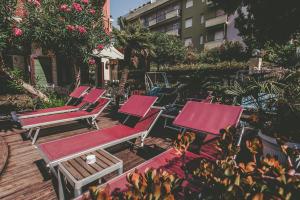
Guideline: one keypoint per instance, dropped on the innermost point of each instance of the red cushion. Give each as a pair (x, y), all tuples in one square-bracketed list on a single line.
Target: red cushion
[(67, 146), (55, 118), (93, 95), (208, 118), (78, 91), (138, 105), (48, 110)]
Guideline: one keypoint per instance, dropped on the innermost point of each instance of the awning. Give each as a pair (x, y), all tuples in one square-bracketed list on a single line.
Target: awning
[(109, 52)]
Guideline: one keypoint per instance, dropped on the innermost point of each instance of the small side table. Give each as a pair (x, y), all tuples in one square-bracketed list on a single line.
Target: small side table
[(78, 173)]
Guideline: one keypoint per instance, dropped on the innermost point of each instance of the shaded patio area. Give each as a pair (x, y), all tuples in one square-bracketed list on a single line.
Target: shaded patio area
[(26, 176)]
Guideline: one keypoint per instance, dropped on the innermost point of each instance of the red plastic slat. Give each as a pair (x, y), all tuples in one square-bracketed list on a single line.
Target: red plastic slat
[(93, 95), (208, 118), (78, 91), (138, 105)]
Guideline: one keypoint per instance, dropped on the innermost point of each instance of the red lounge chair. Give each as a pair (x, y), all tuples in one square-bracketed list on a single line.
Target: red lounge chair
[(38, 122), (91, 97), (169, 161), (66, 148)]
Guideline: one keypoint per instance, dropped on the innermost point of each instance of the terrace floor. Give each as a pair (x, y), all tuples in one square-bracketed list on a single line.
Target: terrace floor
[(25, 175)]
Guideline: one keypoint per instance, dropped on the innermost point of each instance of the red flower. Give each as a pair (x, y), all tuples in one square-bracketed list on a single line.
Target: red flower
[(92, 11), (85, 1), (81, 29), (17, 32), (100, 47), (77, 7), (92, 61), (70, 27)]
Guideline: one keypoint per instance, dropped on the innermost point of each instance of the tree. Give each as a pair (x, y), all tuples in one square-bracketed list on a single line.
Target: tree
[(264, 20), (135, 39), (70, 28), (168, 49)]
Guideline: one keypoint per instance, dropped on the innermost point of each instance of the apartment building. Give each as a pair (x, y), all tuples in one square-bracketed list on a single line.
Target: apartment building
[(199, 23)]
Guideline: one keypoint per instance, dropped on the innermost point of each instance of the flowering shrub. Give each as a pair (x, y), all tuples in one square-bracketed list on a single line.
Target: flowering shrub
[(71, 28)]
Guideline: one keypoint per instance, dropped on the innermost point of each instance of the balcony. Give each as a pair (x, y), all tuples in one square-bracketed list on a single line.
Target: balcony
[(216, 21), (169, 15), (213, 44), (152, 22), (173, 13), (174, 32)]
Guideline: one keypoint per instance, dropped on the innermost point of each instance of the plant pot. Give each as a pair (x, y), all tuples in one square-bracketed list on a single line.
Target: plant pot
[(271, 147)]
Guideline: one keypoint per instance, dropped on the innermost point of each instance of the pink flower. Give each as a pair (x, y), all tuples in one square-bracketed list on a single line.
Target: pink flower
[(70, 27), (77, 7), (64, 7), (85, 1), (92, 61), (17, 32), (92, 11), (100, 46), (81, 29)]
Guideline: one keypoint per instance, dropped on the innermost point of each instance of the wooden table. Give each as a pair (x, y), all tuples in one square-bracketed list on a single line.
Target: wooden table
[(78, 173)]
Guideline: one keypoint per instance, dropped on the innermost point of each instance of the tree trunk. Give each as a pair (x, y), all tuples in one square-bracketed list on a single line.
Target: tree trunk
[(29, 88)]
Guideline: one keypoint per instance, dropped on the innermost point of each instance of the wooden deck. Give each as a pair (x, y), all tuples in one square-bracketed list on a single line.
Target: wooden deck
[(25, 175)]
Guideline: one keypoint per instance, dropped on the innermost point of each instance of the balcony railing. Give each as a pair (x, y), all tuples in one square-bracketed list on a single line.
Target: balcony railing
[(169, 15), (173, 13), (213, 44), (216, 21), (174, 32)]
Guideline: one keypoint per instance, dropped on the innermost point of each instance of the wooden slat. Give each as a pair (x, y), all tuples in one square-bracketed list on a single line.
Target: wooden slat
[(79, 168), (103, 159), (95, 166), (108, 156), (85, 165), (100, 162), (72, 171)]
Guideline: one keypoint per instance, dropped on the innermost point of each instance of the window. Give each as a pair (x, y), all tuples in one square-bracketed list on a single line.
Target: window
[(189, 3), (219, 35), (188, 42), (201, 39), (188, 22), (201, 19)]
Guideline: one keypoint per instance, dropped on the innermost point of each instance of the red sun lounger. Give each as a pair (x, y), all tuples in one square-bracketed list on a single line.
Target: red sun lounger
[(59, 150), (208, 117), (94, 95), (38, 122), (169, 161)]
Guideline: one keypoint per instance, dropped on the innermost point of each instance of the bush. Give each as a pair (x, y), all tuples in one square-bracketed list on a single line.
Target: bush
[(228, 51), (283, 55)]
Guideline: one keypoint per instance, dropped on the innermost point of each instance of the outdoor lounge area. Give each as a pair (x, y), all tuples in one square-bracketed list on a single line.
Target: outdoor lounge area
[(149, 100)]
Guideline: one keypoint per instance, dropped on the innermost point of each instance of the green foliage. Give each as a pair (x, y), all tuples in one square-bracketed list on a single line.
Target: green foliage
[(168, 49), (257, 26), (257, 179), (218, 67), (70, 28), (283, 55), (136, 42), (228, 51), (7, 9), (15, 85), (55, 100)]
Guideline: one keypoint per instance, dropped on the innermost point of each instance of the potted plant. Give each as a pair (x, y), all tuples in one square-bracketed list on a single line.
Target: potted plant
[(256, 177), (273, 103)]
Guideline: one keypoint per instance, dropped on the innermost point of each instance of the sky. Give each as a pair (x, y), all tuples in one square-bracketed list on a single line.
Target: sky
[(121, 7)]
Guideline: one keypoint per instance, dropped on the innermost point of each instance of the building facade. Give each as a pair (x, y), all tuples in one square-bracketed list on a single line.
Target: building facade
[(199, 23)]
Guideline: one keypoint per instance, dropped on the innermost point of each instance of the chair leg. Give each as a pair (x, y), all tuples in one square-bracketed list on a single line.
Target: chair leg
[(95, 124), (35, 135), (29, 133)]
